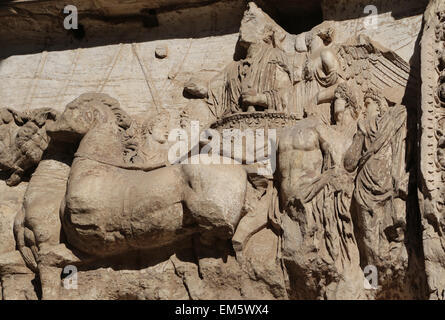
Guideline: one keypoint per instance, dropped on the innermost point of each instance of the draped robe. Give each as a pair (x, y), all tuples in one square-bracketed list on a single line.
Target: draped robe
[(268, 73), (381, 168)]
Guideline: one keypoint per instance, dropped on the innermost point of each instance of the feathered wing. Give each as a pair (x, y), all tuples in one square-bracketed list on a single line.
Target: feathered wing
[(369, 64)]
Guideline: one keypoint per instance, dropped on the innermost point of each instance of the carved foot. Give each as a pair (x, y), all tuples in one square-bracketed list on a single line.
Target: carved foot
[(13, 180)]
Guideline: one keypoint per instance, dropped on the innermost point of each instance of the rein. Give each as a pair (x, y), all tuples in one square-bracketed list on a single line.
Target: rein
[(124, 166)]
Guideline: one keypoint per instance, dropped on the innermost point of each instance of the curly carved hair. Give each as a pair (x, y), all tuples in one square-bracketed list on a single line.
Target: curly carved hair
[(377, 97), (129, 137), (343, 91)]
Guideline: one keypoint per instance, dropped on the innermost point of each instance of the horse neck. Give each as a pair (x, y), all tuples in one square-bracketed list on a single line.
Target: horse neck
[(103, 143)]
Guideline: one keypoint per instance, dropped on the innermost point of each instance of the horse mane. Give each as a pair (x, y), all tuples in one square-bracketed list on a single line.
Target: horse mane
[(128, 136)]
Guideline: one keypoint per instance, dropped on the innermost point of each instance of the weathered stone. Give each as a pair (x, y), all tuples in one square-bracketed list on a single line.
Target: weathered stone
[(202, 150), (161, 52), (431, 151)]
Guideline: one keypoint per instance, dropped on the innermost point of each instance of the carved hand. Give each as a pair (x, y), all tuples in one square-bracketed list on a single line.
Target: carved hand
[(196, 88), (337, 180), (250, 99)]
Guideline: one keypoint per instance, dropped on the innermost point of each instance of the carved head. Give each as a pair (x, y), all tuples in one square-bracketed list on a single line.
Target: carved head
[(319, 37), (375, 103), (83, 113), (345, 103), (258, 27), (158, 127)]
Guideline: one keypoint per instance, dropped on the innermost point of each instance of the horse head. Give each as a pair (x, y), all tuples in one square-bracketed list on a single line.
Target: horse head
[(85, 112), (99, 126)]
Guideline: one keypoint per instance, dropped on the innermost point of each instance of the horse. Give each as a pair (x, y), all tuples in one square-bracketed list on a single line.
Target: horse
[(113, 205)]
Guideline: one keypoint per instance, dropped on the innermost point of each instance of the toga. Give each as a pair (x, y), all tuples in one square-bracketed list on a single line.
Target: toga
[(381, 168), (268, 72)]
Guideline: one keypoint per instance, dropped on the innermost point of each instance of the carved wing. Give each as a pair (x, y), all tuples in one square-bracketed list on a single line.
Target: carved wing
[(369, 64)]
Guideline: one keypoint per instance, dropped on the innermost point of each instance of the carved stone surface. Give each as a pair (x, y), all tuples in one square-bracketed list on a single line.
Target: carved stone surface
[(431, 145), (214, 150)]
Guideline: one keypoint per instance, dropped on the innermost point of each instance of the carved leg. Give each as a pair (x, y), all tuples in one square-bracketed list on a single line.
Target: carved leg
[(15, 178), (255, 220)]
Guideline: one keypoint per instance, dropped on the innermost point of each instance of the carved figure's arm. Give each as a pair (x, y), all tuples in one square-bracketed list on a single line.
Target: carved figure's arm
[(308, 191), (353, 154), (329, 62)]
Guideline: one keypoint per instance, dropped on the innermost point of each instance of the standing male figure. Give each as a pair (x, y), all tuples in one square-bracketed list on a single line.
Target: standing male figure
[(378, 154)]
